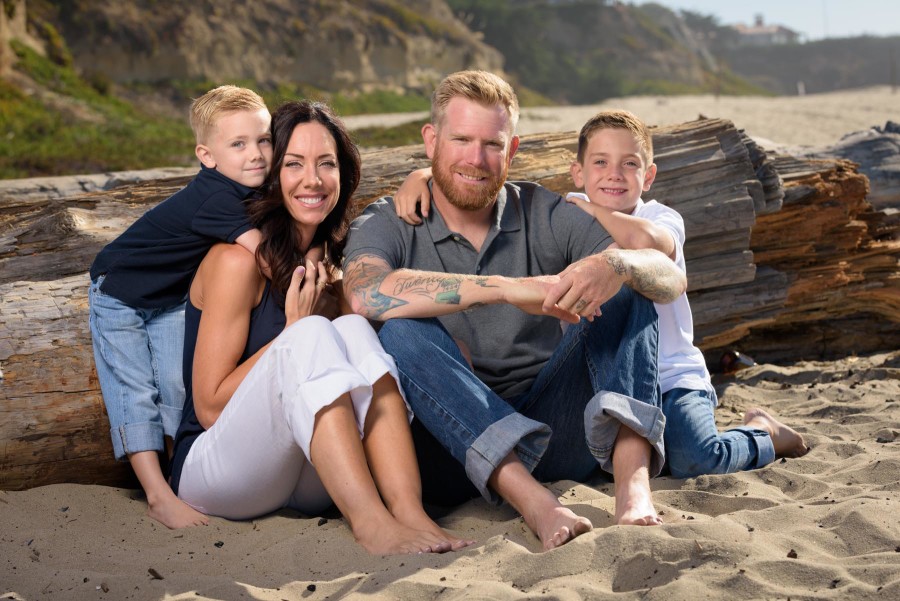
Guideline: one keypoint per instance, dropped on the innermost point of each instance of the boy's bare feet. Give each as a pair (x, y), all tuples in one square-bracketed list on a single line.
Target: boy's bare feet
[(174, 513), (787, 441)]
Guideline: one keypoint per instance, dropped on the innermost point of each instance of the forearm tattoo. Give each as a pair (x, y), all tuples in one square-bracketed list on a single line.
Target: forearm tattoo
[(657, 280), (443, 289), (366, 273)]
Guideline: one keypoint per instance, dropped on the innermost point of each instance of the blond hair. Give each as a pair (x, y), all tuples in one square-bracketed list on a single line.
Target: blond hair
[(207, 109), (482, 87), (617, 119)]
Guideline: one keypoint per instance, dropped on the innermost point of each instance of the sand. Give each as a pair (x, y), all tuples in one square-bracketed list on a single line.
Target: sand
[(825, 526), (815, 120)]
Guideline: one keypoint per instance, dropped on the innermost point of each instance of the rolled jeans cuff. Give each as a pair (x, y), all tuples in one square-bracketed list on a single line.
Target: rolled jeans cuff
[(765, 449), (529, 438), (136, 438), (609, 410)]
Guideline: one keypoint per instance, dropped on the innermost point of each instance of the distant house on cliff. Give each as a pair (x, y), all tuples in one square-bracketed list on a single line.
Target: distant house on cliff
[(760, 34)]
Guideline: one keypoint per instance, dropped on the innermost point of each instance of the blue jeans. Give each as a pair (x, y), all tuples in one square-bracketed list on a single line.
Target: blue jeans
[(138, 354), (601, 375), (694, 445)]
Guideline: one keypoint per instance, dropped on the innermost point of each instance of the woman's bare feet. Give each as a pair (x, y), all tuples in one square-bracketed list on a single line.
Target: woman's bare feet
[(787, 441), (390, 537), (415, 517), (174, 513)]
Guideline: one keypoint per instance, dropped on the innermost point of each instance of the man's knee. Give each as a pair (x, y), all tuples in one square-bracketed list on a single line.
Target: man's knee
[(394, 332), (402, 335)]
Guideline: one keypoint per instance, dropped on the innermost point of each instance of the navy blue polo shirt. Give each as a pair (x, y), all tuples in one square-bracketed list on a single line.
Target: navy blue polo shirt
[(535, 232), (151, 264)]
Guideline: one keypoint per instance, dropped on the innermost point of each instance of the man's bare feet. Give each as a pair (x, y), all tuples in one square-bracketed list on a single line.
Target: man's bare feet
[(631, 461), (390, 537), (634, 503), (415, 517), (787, 441), (559, 526), (553, 523), (174, 513)]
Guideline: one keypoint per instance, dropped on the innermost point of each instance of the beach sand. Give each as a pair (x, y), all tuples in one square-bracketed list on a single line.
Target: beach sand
[(815, 120), (824, 526)]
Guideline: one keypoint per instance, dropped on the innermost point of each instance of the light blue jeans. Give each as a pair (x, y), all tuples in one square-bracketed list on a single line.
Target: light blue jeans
[(602, 374), (694, 445), (138, 354)]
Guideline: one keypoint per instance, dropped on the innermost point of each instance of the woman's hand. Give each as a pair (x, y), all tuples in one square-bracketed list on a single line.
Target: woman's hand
[(307, 283)]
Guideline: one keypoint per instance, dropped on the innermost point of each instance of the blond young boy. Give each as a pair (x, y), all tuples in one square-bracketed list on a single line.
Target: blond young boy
[(614, 166), (139, 283)]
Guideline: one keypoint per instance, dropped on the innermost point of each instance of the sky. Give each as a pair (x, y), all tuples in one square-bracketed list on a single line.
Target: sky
[(815, 19)]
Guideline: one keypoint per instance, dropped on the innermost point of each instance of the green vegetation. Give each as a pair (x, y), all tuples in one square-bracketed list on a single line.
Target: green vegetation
[(71, 127), (399, 135), (76, 125)]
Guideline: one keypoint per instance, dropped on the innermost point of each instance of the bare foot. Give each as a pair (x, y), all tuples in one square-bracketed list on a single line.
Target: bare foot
[(416, 518), (555, 524), (390, 537), (174, 513), (634, 506), (787, 441)]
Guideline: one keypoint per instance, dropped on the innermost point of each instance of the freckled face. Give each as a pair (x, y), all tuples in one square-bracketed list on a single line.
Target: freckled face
[(614, 173), (310, 176), (470, 150)]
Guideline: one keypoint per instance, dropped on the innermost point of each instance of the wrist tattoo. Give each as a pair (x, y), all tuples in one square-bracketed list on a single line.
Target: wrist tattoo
[(616, 262)]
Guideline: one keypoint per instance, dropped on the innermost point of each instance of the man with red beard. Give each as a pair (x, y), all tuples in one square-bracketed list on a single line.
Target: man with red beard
[(492, 269)]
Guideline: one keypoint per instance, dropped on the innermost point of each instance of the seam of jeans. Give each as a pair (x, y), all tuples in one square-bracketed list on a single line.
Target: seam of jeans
[(577, 339)]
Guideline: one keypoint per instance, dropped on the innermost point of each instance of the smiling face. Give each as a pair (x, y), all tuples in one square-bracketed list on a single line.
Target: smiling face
[(310, 176), (614, 172), (239, 147), (470, 151)]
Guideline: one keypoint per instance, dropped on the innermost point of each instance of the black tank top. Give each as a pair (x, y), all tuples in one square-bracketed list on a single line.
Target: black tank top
[(266, 322)]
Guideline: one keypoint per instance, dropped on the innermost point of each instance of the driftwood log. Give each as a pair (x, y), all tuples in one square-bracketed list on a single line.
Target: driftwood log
[(786, 260)]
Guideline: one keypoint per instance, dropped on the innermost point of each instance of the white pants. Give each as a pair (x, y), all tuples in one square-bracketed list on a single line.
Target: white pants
[(254, 459)]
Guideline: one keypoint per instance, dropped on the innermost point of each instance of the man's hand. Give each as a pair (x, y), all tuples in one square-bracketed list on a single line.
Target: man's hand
[(586, 284), (530, 295), (583, 286)]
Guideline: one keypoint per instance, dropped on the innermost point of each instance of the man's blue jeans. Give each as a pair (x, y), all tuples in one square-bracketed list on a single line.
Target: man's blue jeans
[(696, 447), (602, 374)]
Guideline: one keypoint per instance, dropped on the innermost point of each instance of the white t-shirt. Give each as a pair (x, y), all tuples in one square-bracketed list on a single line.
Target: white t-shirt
[(681, 364)]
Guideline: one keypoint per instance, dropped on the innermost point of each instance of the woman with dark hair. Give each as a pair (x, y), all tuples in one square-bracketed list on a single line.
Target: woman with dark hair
[(286, 408)]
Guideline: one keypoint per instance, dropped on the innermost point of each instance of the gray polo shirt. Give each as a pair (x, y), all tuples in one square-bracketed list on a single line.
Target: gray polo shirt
[(535, 232)]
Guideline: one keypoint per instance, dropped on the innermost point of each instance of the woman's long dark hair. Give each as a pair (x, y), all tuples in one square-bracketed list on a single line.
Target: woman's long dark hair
[(281, 241)]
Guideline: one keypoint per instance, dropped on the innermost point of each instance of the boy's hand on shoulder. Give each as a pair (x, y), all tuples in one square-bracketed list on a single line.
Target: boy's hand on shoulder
[(582, 202), (414, 191)]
